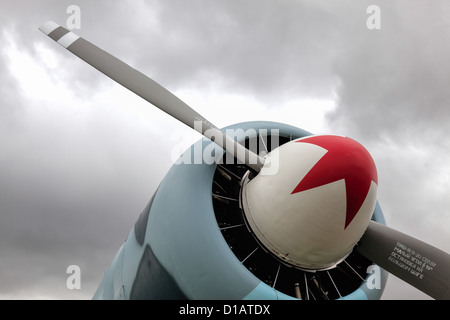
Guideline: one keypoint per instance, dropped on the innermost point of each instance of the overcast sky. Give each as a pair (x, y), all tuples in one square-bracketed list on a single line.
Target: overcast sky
[(80, 156)]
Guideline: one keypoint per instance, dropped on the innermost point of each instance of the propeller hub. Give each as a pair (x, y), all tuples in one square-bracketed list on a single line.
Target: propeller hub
[(315, 207)]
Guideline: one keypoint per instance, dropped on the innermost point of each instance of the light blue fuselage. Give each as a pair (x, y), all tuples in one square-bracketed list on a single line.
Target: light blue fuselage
[(176, 249)]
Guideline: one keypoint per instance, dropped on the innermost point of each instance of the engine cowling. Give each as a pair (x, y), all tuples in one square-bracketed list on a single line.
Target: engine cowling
[(191, 242)]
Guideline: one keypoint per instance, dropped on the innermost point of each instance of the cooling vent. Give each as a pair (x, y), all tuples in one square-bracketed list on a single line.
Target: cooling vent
[(338, 282)]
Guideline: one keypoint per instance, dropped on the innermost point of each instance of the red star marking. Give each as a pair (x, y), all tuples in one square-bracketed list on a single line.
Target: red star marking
[(345, 159)]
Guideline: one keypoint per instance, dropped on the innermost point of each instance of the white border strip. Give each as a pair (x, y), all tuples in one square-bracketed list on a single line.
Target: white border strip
[(49, 27), (68, 39)]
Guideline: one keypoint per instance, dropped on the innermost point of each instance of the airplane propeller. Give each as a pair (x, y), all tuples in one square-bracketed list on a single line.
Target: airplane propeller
[(416, 262), (149, 90)]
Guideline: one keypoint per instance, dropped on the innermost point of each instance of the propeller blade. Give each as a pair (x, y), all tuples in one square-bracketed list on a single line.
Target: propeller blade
[(423, 266), (149, 90)]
